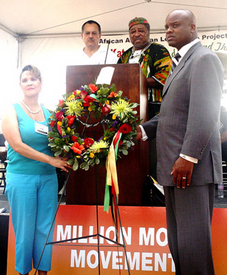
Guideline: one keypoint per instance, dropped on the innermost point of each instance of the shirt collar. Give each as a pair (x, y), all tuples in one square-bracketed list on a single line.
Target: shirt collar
[(186, 47)]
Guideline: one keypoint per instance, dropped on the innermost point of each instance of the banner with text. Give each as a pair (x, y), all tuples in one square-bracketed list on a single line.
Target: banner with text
[(145, 235)]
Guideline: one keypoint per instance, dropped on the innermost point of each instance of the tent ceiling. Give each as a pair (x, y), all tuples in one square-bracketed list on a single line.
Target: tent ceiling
[(45, 17)]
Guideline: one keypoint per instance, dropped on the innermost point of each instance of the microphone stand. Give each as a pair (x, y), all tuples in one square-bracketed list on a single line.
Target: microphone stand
[(107, 50)]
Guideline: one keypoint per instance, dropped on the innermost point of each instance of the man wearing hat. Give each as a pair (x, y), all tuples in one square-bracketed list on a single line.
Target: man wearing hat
[(153, 58)]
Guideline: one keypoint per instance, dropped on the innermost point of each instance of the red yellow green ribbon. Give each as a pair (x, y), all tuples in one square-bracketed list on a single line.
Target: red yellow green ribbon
[(111, 172)]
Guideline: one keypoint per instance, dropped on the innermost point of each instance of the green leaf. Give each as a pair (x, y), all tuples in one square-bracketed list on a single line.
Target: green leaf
[(70, 161), (103, 91), (97, 160), (120, 93), (134, 105), (58, 153), (66, 148), (90, 162), (52, 145), (57, 141), (75, 165), (84, 166)]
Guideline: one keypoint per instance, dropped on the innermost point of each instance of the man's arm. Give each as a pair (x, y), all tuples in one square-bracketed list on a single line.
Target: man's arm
[(203, 115)]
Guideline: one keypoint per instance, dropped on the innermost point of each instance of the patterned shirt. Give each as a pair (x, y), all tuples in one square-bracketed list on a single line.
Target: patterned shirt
[(155, 62)]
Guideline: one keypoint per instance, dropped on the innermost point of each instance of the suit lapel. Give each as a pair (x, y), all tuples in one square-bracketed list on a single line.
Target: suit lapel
[(180, 66)]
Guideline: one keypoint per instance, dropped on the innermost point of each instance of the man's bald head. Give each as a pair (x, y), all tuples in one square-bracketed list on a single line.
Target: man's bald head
[(180, 28)]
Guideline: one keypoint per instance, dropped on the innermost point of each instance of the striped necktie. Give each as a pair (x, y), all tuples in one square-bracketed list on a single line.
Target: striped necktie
[(175, 62)]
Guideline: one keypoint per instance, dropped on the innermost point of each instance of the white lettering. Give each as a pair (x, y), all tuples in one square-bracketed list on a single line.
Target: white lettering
[(89, 260), (74, 233), (116, 260), (158, 237), (105, 261), (146, 262), (119, 262), (91, 239), (79, 260), (108, 232), (80, 235), (127, 237), (162, 262), (173, 268), (63, 235), (132, 262), (144, 238), (101, 232)]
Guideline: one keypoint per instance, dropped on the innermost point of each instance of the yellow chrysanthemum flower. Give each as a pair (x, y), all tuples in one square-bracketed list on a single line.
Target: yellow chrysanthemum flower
[(97, 146), (120, 108), (59, 123), (71, 97), (74, 108)]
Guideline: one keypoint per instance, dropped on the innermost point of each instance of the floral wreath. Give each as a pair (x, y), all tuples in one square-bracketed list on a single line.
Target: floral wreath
[(78, 110)]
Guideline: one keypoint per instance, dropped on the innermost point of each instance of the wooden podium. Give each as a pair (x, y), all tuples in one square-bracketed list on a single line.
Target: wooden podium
[(133, 168)]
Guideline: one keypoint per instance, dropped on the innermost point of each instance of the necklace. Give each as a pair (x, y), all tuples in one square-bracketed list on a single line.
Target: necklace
[(134, 54), (30, 111)]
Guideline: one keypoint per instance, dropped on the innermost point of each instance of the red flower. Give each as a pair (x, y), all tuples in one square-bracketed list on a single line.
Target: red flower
[(74, 138), (61, 103), (75, 92), (77, 148), (59, 116), (105, 109), (88, 100), (83, 94), (59, 129), (70, 120), (88, 142), (92, 88), (112, 94), (52, 123), (125, 128), (120, 142)]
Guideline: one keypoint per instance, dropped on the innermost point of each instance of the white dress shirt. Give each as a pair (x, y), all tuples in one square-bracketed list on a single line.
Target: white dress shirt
[(99, 57)]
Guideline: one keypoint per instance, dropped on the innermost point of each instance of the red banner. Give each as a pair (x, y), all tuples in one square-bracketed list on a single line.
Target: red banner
[(145, 235)]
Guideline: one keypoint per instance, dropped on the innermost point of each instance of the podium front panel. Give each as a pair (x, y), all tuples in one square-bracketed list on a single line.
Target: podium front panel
[(87, 187)]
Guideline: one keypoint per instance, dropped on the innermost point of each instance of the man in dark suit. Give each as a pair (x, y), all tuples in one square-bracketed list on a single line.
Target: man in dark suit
[(188, 145)]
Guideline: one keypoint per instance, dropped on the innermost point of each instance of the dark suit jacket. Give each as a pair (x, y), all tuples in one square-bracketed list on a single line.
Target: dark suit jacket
[(188, 121)]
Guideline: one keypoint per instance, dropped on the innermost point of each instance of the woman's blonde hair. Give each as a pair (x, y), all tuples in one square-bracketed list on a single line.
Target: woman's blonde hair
[(34, 71)]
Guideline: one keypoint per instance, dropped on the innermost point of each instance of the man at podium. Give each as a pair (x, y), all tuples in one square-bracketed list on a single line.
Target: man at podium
[(153, 58), (93, 53)]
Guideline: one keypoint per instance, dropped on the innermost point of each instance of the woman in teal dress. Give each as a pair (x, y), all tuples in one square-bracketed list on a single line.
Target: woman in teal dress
[(31, 175)]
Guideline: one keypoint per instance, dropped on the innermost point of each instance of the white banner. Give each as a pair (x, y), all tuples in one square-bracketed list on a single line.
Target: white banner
[(52, 55), (216, 41)]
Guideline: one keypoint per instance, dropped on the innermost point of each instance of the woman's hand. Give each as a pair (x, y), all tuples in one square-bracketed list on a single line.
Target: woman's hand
[(59, 163)]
